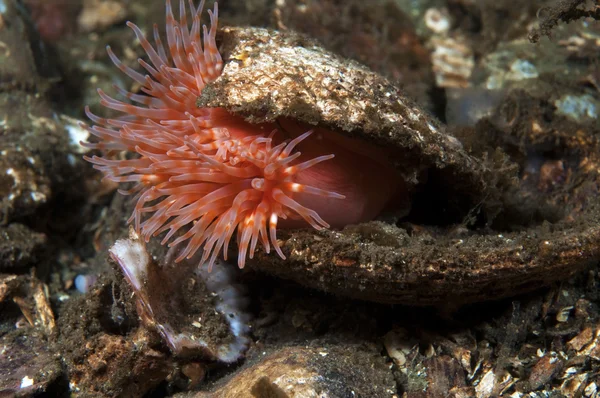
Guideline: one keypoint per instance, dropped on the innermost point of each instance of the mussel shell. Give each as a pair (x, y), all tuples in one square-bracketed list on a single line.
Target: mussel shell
[(381, 263), (270, 75)]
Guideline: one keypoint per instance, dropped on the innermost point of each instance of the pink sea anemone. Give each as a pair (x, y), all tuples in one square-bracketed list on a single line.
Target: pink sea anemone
[(200, 174)]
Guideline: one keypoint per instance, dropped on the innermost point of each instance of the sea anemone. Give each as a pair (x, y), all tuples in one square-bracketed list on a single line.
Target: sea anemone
[(200, 174)]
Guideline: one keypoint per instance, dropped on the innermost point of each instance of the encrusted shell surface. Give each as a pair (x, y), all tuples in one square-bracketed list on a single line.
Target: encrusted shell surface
[(269, 75)]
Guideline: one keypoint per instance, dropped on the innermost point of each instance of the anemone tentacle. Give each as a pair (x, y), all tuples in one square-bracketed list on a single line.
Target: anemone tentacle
[(194, 180)]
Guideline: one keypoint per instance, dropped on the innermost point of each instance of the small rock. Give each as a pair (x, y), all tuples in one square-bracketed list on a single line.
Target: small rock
[(114, 365), (397, 346), (443, 374), (582, 339), (100, 14), (20, 247), (544, 371), (300, 371), (24, 185), (32, 298), (453, 62), (27, 365)]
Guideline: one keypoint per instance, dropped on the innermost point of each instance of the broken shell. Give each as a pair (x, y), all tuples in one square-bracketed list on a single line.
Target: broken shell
[(271, 75), (176, 303)]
